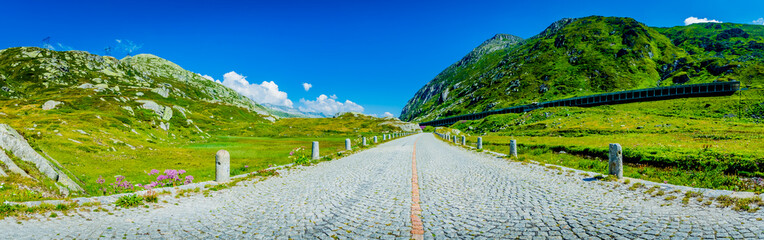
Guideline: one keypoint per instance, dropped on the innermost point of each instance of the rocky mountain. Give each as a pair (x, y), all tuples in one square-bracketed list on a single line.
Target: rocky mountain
[(287, 112), (576, 57), (58, 107)]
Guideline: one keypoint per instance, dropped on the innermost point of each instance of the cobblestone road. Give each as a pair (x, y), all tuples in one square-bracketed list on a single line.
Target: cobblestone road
[(365, 195), (471, 195), (463, 194)]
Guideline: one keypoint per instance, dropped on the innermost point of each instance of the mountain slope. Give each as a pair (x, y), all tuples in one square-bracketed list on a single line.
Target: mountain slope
[(64, 112), (572, 57)]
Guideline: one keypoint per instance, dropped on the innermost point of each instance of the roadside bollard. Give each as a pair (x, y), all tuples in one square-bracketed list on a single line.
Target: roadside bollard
[(464, 140), (513, 148), (364, 141), (347, 144), (616, 160), (480, 143), (375, 139), (222, 166), (314, 154)]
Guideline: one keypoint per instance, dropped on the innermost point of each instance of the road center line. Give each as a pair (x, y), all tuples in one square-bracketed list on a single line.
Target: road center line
[(417, 229)]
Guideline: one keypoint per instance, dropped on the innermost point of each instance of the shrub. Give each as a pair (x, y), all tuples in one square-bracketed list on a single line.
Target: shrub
[(131, 200), (299, 156)]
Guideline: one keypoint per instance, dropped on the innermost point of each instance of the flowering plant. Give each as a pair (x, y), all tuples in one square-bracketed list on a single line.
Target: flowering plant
[(299, 156), (171, 177)]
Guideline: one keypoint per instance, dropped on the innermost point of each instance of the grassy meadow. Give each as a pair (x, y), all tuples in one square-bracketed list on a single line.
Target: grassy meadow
[(713, 142)]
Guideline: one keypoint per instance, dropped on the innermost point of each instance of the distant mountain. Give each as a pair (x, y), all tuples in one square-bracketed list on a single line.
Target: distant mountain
[(287, 112), (575, 57)]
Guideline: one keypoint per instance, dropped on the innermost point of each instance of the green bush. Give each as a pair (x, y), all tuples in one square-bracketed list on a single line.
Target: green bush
[(131, 200)]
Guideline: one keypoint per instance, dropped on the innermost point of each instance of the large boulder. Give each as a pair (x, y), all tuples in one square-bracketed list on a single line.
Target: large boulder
[(51, 104), (12, 141), (164, 112)]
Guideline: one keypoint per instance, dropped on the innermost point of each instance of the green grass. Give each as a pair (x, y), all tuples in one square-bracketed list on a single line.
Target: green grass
[(701, 142)]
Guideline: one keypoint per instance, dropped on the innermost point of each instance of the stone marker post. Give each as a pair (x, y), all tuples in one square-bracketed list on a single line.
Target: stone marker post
[(222, 166), (375, 139), (315, 155), (513, 148), (464, 140), (480, 143), (616, 160), (455, 142), (347, 144), (364, 141)]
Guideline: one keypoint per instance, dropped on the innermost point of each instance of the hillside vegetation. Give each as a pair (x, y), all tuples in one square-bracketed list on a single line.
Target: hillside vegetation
[(95, 117), (713, 142), (584, 56)]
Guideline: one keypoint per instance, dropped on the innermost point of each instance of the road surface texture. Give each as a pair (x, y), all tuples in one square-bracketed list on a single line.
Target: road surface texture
[(368, 195)]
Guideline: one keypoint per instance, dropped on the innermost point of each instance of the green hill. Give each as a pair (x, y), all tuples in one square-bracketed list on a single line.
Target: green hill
[(577, 57), (84, 116)]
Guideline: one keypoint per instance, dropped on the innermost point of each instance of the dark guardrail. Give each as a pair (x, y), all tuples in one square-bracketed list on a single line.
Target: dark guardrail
[(639, 95)]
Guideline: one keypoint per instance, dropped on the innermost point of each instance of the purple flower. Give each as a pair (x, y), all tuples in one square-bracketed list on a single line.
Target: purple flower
[(153, 171), (291, 153), (189, 179), (100, 180), (180, 172), (161, 178), (246, 166), (119, 178)]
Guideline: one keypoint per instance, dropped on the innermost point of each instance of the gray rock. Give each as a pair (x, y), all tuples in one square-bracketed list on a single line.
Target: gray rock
[(86, 86), (164, 112), (100, 87), (222, 166), (161, 91), (129, 110), (181, 110), (51, 104), (164, 126), (11, 166), (615, 164), (12, 141), (140, 94)]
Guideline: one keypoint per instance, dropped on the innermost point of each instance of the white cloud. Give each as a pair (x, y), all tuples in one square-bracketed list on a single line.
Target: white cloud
[(333, 96), (307, 86), (329, 106), (265, 92), (388, 114), (759, 21), (693, 20)]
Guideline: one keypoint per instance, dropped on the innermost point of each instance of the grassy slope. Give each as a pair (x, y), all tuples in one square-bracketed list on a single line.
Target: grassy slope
[(699, 141)]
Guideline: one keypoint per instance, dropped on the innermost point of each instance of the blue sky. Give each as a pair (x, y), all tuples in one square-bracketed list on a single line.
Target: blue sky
[(376, 54)]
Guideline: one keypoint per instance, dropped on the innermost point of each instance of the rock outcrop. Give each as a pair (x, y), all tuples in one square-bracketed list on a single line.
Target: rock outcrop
[(51, 104), (11, 166), (12, 141)]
